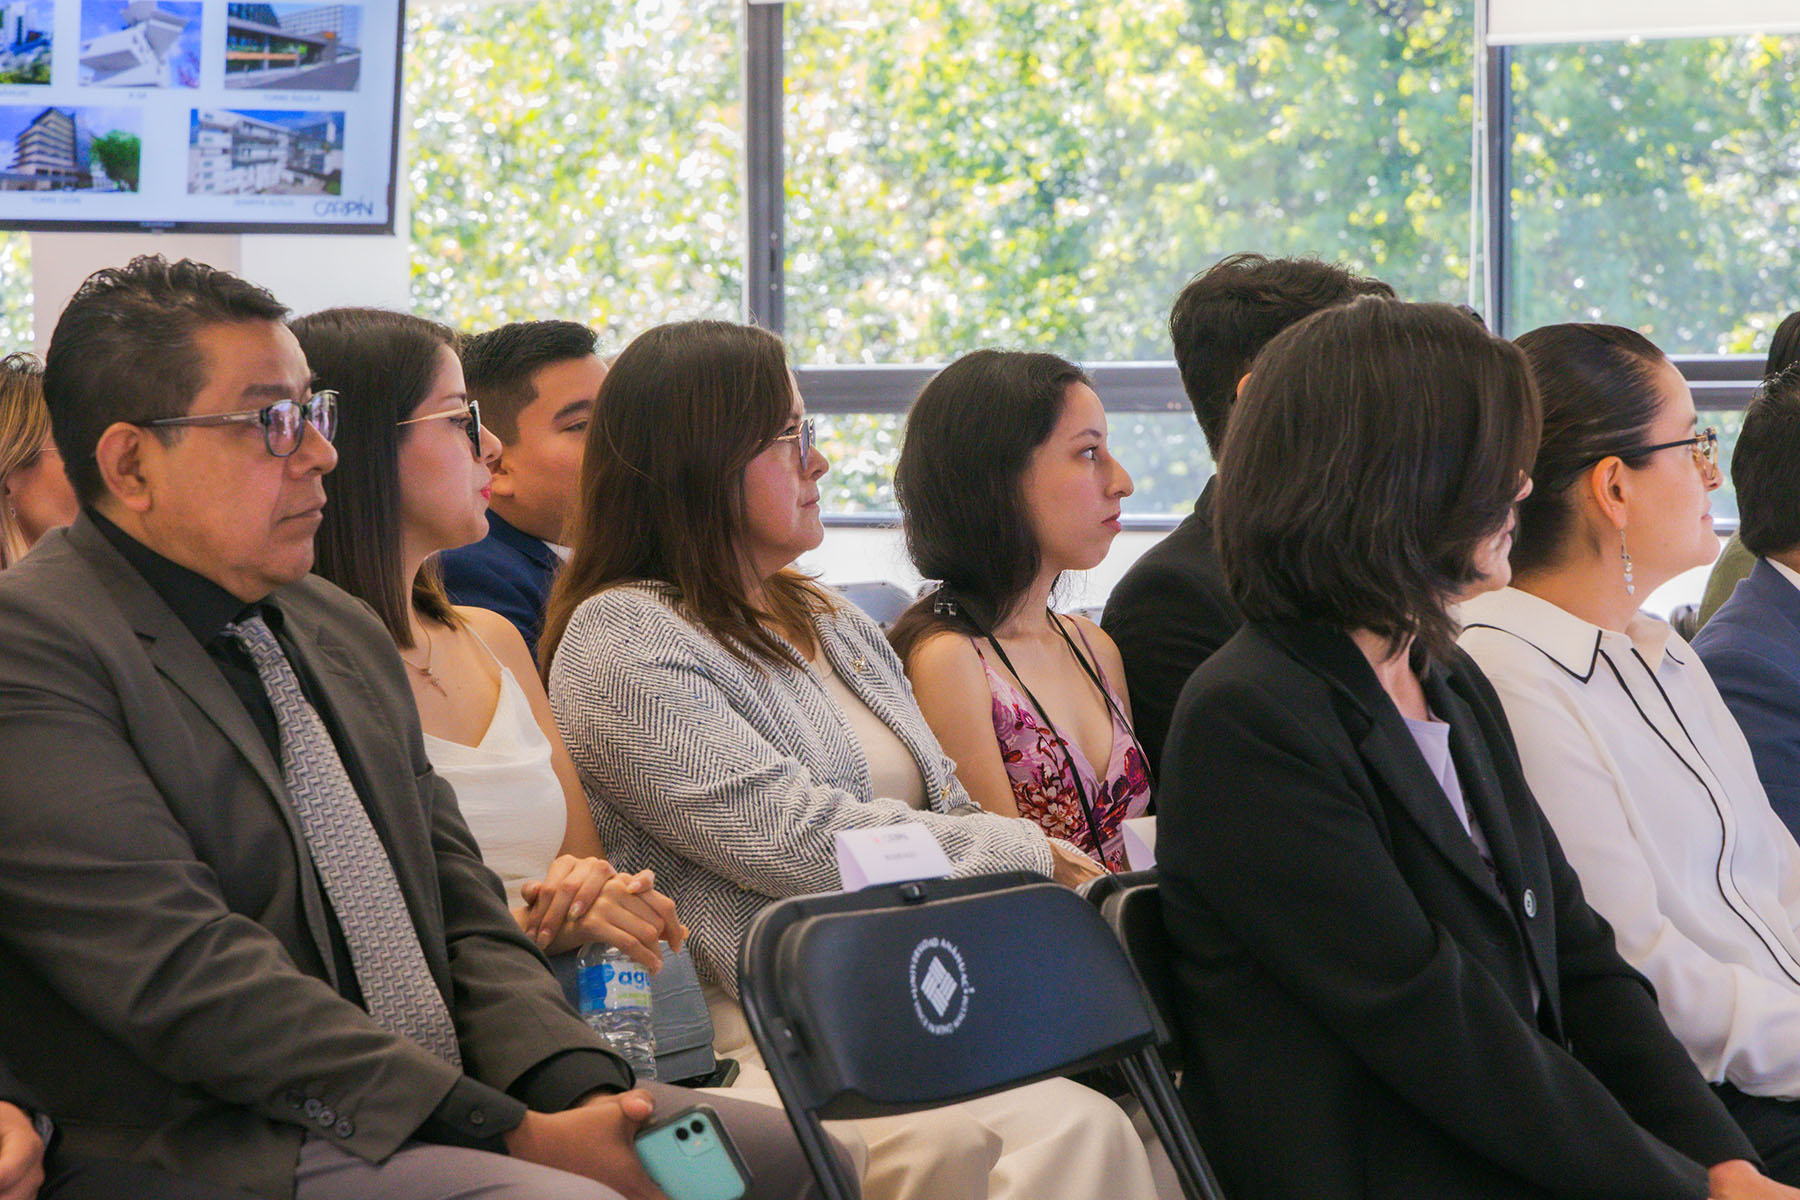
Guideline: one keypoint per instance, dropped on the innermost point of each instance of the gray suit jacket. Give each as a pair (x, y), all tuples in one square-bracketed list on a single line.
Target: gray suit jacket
[(166, 978)]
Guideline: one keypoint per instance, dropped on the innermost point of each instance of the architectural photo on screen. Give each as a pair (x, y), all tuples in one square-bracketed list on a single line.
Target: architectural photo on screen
[(25, 40), (69, 149), (140, 44), (293, 47), (267, 152)]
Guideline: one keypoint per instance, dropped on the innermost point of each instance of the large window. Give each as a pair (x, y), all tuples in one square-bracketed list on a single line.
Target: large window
[(576, 159), (1047, 173), (1656, 184)]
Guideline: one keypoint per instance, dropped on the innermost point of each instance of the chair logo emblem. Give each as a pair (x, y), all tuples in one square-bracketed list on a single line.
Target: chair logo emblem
[(940, 986)]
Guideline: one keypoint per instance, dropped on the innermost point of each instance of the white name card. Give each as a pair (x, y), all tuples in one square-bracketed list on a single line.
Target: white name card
[(890, 854), (1140, 843)]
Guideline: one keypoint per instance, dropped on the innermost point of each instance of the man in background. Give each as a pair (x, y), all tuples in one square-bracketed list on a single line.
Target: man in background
[(1171, 609), (1751, 647), (536, 383)]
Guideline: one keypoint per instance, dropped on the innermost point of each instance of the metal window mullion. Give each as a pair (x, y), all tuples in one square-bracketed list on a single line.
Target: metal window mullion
[(764, 249)]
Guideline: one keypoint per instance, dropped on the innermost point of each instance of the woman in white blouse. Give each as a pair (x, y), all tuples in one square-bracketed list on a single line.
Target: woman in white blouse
[(412, 480), (1644, 775)]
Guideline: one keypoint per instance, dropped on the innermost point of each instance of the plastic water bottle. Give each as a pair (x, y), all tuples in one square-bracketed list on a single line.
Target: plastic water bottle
[(615, 1001)]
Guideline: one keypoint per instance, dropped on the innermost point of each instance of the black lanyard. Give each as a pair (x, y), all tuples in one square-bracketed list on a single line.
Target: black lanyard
[(1074, 772)]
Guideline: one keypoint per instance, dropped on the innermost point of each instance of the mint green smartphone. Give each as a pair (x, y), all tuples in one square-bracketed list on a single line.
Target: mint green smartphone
[(690, 1157)]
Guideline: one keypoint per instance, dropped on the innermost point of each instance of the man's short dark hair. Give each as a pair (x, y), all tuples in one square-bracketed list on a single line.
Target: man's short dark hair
[(1765, 466), (1377, 446), (124, 350), (1231, 310), (498, 366)]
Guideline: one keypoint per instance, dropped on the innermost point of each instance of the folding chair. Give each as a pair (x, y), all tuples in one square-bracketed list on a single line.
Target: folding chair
[(900, 998), (1096, 890), (1134, 910), (881, 600)]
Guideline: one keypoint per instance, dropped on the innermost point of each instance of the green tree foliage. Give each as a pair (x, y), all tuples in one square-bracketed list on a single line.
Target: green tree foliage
[(117, 153), (1048, 172), (1657, 185), (576, 160)]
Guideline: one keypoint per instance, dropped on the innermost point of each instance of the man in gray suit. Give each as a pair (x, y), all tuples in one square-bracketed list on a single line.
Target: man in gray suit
[(253, 935)]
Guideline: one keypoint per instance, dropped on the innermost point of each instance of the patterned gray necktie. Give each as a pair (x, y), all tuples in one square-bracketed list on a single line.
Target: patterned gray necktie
[(359, 880)]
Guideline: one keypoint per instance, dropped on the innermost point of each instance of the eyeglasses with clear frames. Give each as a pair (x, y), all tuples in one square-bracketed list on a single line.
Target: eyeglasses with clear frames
[(1703, 445), (283, 422), (803, 439), (469, 415)]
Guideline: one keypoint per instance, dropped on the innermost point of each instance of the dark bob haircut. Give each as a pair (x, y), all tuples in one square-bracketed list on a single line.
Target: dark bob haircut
[(1598, 384), (1228, 312), (682, 412), (969, 438), (1765, 466), (1376, 446), (124, 350), (382, 365)]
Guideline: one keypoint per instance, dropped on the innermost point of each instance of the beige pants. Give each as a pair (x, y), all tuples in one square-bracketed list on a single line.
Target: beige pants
[(1054, 1140)]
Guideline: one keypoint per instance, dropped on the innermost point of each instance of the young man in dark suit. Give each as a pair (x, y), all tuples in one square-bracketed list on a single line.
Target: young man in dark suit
[(1171, 609), (249, 937), (1751, 647), (536, 382)]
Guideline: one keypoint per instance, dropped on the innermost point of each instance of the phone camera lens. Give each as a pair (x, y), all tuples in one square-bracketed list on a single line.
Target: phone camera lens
[(681, 1135), (697, 1127)]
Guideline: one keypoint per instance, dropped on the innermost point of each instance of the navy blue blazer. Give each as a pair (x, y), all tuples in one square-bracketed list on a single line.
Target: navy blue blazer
[(1751, 649), (508, 571)]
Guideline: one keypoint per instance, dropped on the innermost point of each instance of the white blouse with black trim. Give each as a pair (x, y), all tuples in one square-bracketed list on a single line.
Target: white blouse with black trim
[(1653, 794)]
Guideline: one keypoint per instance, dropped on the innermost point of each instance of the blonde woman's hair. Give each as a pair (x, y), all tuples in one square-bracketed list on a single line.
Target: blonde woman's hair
[(24, 428)]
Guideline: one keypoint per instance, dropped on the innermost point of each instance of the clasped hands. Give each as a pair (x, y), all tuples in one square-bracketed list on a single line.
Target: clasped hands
[(584, 900)]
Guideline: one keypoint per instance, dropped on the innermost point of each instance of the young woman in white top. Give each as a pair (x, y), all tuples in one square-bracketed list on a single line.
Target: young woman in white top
[(412, 480), (1635, 759), (728, 715)]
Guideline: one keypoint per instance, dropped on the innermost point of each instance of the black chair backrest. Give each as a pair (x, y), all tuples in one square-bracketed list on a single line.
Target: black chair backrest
[(881, 600), (914, 995), (1096, 890), (928, 993), (1135, 913)]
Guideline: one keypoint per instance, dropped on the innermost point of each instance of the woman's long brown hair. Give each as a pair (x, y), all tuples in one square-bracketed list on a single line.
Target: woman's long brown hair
[(682, 412)]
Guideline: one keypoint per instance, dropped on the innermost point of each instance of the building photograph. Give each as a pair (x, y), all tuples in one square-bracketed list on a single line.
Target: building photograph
[(293, 47), (26, 28), (60, 149), (265, 152), (140, 44)]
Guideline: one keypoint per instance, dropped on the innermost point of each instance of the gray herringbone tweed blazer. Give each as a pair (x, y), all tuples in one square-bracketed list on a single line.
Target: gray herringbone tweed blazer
[(730, 778)]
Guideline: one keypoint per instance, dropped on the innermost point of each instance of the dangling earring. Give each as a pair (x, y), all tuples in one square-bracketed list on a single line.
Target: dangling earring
[(1625, 557)]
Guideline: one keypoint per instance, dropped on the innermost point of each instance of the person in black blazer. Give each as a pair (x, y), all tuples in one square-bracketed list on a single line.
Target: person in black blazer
[(31, 1170), (1389, 982), (1172, 608)]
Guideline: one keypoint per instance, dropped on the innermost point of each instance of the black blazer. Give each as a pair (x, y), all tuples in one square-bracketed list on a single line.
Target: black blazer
[(1167, 614), (1356, 985), (13, 1092)]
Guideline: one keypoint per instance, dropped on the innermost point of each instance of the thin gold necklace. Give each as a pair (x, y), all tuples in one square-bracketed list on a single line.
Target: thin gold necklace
[(431, 676)]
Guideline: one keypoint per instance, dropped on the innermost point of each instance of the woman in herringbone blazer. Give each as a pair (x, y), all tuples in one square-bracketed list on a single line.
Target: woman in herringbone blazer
[(728, 715)]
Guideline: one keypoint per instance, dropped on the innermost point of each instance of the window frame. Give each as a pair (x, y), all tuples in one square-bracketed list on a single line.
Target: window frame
[(1719, 382)]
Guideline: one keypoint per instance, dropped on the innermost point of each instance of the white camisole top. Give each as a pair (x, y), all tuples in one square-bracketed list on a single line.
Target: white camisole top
[(507, 790)]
